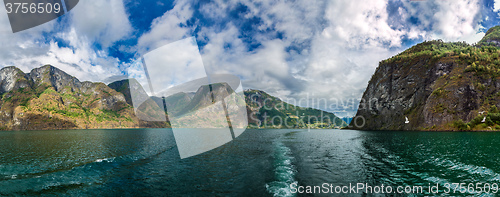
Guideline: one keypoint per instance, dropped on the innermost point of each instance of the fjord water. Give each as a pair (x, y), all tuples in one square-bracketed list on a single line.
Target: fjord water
[(145, 162)]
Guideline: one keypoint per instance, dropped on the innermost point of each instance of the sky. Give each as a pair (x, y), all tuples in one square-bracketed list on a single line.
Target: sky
[(319, 54)]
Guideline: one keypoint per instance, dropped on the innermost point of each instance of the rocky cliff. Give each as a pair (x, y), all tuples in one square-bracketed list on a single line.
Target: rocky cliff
[(48, 98), (437, 86)]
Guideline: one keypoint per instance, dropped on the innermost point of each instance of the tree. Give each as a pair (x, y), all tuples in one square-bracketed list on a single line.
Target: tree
[(493, 109)]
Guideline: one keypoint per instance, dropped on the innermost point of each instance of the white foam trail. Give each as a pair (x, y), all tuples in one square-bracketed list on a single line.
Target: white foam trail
[(105, 159), (284, 172)]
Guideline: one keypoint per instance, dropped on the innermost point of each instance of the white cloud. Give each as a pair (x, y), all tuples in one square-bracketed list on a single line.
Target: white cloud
[(183, 64), (298, 20), (78, 60), (496, 5), (447, 20), (215, 10), (456, 19), (361, 24), (103, 21), (22, 44), (263, 69), (347, 51), (167, 28), (106, 23)]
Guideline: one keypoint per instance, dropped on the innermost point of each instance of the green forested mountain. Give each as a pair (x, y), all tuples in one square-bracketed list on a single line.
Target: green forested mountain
[(267, 111), (438, 86)]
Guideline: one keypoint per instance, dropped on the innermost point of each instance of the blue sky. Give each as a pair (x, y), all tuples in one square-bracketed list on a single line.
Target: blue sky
[(299, 50)]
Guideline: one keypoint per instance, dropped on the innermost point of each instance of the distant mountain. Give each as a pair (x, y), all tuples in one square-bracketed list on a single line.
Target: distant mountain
[(274, 114), (347, 119), (266, 111), (437, 86)]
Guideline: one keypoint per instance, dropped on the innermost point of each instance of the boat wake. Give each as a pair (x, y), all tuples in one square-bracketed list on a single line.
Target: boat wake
[(284, 171)]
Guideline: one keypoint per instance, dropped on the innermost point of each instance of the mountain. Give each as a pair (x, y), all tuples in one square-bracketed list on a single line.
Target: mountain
[(266, 111), (491, 38), (437, 86), (48, 98), (204, 96), (122, 86)]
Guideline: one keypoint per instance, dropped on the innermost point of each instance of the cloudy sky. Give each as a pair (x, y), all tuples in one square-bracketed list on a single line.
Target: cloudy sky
[(298, 50)]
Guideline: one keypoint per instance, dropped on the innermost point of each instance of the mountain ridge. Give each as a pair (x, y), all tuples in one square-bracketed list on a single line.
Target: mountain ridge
[(49, 98)]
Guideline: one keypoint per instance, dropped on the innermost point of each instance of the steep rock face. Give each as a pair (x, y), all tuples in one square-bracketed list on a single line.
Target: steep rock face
[(177, 102), (110, 99), (122, 86), (437, 86), (54, 77), (206, 108), (12, 78), (49, 98), (206, 95), (398, 88)]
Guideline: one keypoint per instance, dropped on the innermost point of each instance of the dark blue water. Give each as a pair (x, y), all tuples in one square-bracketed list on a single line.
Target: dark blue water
[(145, 162)]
